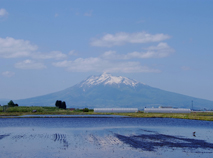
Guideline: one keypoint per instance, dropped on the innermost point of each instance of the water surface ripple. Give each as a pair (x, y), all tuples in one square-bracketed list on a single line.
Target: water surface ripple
[(105, 137)]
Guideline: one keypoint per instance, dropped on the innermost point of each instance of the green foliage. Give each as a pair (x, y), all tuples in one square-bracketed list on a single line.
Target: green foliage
[(85, 110), (30, 109), (60, 104), (91, 110), (78, 110), (63, 105), (5, 107), (48, 108), (24, 109), (12, 104)]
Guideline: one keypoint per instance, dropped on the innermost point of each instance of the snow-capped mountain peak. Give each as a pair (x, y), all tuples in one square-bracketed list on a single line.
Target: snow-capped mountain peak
[(108, 79)]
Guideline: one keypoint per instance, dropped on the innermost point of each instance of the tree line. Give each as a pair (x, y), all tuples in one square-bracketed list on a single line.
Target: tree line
[(11, 104), (60, 104)]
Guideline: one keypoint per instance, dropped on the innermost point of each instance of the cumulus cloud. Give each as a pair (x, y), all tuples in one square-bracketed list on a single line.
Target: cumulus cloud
[(101, 65), (110, 61), (162, 50), (81, 65), (3, 12), (29, 64), (8, 74), (122, 38), (13, 48)]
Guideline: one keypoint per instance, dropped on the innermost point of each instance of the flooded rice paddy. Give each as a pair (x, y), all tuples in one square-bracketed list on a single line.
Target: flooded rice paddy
[(105, 137)]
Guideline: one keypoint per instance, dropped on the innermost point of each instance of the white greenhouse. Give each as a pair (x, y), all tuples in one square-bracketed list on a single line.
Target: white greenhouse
[(166, 110), (116, 110)]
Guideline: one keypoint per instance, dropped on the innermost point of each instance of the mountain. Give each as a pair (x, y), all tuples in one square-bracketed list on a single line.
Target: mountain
[(112, 91)]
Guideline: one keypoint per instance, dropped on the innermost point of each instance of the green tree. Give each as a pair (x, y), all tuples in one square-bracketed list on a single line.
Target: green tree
[(10, 103), (58, 103), (63, 105), (85, 110)]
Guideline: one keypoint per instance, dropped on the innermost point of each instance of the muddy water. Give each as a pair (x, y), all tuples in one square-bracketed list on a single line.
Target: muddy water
[(105, 137)]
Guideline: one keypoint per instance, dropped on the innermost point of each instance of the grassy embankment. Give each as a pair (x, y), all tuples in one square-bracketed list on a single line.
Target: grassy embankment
[(208, 116), (23, 110)]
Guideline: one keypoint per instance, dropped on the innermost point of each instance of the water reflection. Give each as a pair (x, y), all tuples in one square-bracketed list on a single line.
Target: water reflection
[(104, 137), (151, 142)]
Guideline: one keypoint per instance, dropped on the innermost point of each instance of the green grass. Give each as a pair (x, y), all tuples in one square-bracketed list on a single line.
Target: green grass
[(193, 116), (28, 110), (25, 109)]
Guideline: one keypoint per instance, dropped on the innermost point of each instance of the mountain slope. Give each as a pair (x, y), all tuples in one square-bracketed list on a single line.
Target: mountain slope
[(111, 91)]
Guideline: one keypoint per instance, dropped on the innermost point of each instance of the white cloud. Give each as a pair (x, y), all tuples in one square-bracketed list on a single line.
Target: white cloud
[(72, 52), (162, 50), (52, 55), (3, 12), (112, 55), (29, 64), (110, 61), (101, 65), (13, 48), (122, 38), (80, 64), (130, 67), (8, 74)]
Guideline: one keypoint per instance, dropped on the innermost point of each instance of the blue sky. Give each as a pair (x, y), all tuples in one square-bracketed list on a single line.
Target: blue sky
[(50, 45)]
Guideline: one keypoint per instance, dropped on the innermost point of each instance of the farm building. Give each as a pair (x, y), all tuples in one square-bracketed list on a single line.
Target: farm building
[(116, 110), (166, 110)]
